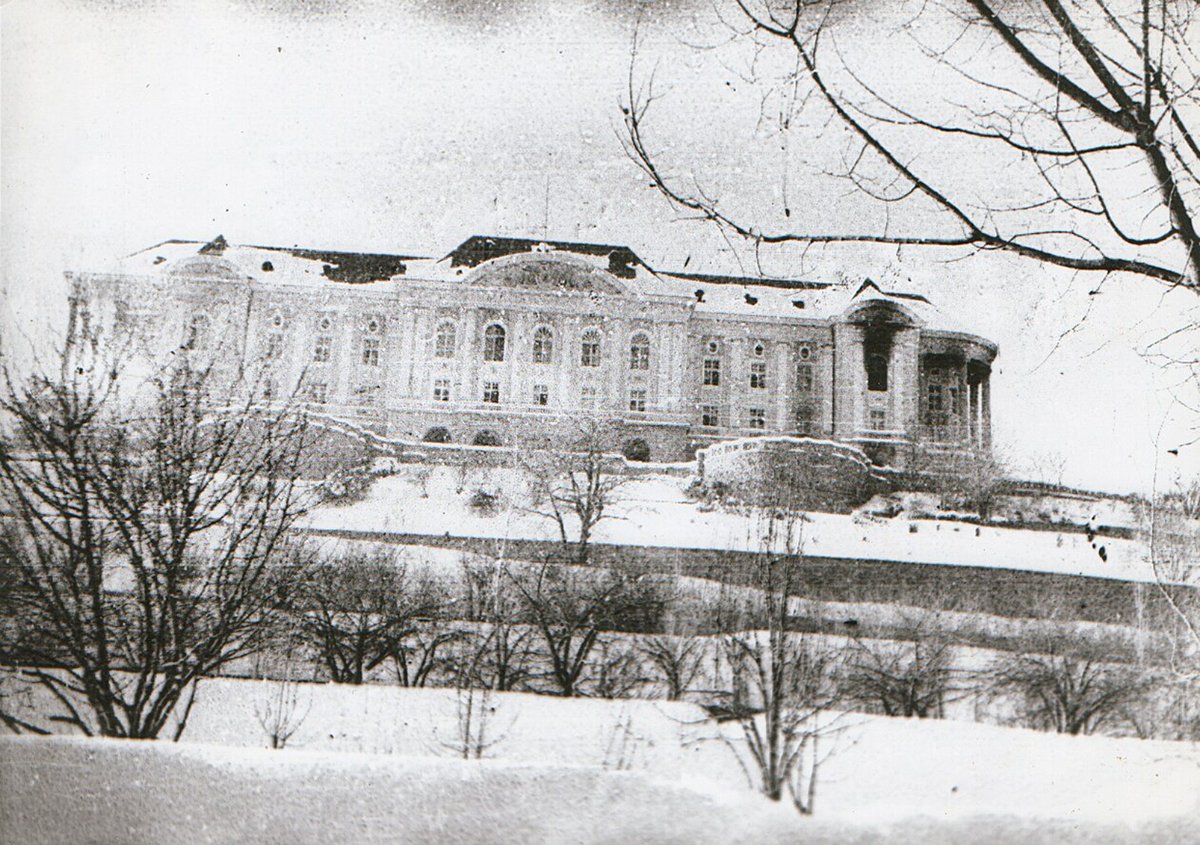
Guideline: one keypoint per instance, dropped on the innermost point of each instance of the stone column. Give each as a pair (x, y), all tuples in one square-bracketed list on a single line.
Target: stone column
[(849, 380)]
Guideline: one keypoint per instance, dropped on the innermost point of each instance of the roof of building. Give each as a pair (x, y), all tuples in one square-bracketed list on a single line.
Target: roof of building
[(710, 293)]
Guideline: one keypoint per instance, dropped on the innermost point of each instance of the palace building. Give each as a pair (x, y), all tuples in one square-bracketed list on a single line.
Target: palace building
[(508, 340)]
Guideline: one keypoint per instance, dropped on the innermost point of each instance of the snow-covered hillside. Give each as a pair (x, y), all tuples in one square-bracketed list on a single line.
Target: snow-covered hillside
[(655, 511)]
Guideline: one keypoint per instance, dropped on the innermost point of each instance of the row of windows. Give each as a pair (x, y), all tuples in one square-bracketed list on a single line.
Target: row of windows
[(710, 415), (541, 395), (494, 347), (711, 375)]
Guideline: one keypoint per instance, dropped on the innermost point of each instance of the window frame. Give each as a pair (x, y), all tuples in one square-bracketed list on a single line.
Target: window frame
[(639, 352), (494, 343), (711, 372), (543, 345), (445, 340), (590, 348), (758, 375), (371, 352)]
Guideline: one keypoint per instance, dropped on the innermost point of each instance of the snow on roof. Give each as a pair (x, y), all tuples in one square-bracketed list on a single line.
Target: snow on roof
[(746, 297)]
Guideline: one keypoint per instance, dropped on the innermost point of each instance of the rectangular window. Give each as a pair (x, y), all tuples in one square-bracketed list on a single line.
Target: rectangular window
[(804, 378), (370, 352), (318, 392), (712, 372), (441, 390), (952, 400), (758, 375), (321, 348), (637, 400), (587, 397), (878, 420), (935, 399), (709, 416), (491, 392), (758, 418), (274, 345), (804, 418), (541, 394)]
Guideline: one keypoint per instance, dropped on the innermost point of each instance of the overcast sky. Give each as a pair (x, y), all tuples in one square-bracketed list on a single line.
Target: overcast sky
[(383, 126)]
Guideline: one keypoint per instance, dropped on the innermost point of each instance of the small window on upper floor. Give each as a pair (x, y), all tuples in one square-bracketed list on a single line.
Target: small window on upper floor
[(759, 350), (710, 416), (758, 375), (712, 372), (274, 345), (322, 347), (758, 418), (804, 378), (370, 352), (637, 400), (196, 335)]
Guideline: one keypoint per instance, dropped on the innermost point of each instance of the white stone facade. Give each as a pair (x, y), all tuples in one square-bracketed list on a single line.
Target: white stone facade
[(504, 340)]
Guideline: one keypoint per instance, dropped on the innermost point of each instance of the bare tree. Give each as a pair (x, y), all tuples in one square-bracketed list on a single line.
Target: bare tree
[(502, 650), (783, 684), (569, 607), (912, 676), (358, 611), (278, 712), (676, 659), (1089, 109), (145, 534), (676, 656), (424, 652), (1068, 694), (575, 485), (616, 668), (971, 480)]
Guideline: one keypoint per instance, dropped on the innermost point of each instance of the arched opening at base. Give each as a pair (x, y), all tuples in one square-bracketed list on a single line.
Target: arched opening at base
[(487, 438), (437, 434), (636, 450)]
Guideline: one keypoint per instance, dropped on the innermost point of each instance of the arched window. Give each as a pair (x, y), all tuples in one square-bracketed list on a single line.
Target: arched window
[(639, 352), (636, 450), (437, 434), (877, 372), (589, 349), (493, 343), (487, 438), (543, 346), (444, 344)]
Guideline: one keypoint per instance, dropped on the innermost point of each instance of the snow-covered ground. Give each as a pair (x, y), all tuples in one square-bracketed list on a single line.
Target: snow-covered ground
[(655, 511), (369, 763)]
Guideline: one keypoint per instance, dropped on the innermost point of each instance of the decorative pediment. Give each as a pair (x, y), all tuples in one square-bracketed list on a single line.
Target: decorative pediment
[(206, 266), (544, 271)]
